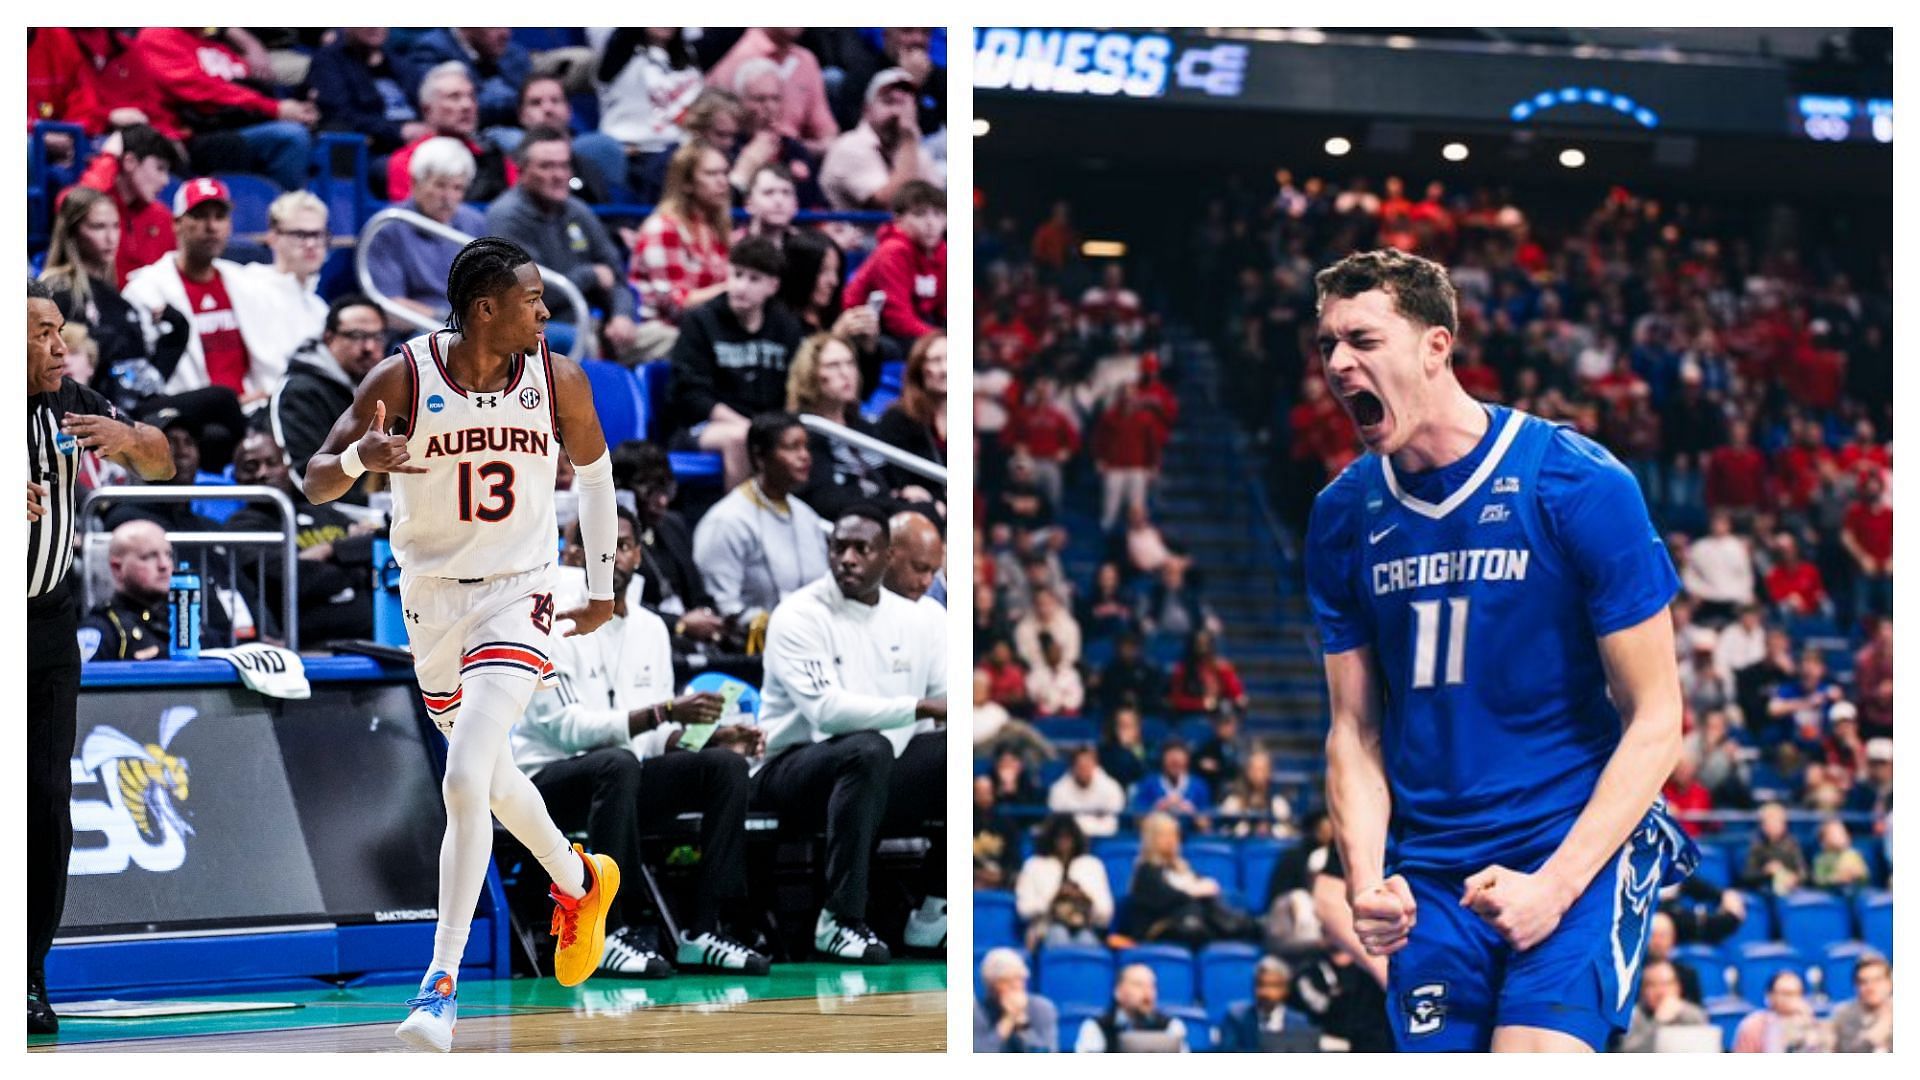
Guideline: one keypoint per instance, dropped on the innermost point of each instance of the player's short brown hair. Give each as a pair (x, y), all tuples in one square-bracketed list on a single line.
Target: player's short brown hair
[(1420, 289)]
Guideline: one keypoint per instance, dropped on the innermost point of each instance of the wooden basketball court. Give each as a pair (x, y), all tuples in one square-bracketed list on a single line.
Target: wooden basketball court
[(800, 1007)]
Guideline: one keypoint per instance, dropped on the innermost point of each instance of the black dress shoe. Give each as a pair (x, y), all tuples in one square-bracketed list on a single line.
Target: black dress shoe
[(41, 1019)]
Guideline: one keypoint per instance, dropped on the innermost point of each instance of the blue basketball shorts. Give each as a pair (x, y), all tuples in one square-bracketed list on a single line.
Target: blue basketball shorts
[(1456, 980)]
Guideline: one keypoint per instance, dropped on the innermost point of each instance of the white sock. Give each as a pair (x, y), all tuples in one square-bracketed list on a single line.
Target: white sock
[(449, 944), (563, 865), (934, 907)]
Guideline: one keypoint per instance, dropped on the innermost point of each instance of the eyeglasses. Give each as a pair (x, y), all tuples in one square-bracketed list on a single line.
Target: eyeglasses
[(360, 337), (304, 236)]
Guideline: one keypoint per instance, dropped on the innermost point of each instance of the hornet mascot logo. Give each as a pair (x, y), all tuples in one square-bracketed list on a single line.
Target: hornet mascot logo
[(142, 817)]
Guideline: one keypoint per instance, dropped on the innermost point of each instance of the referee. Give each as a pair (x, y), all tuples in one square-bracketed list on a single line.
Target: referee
[(63, 418)]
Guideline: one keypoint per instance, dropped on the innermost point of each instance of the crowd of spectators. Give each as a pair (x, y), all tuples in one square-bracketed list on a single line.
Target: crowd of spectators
[(660, 170)]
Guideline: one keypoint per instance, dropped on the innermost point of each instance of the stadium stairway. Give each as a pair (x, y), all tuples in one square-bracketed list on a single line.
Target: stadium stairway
[(1212, 503)]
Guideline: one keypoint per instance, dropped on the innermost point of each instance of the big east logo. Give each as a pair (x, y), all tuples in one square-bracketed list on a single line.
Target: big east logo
[(146, 787)]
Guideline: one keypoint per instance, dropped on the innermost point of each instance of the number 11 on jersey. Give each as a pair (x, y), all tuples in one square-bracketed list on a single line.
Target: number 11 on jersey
[(1426, 641)]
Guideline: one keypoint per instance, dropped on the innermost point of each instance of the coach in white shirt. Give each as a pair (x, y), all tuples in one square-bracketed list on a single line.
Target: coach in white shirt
[(603, 747), (854, 708)]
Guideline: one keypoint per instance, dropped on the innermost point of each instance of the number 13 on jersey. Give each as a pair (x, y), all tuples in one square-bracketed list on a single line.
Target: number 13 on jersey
[(1427, 645), (497, 503)]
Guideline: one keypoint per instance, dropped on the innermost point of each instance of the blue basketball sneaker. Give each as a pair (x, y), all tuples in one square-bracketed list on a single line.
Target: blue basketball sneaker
[(430, 1025)]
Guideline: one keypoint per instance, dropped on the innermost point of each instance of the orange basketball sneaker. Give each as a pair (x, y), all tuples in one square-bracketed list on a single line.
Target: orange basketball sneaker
[(581, 925)]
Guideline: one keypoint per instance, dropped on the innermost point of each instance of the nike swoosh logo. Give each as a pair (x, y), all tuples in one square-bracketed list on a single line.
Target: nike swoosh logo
[(1376, 537)]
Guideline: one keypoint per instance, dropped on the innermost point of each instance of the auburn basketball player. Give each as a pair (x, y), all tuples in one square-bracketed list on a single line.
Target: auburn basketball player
[(469, 422)]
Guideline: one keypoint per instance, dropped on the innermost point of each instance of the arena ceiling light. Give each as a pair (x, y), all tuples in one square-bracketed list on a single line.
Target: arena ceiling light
[(1454, 151), (1103, 249), (1339, 146), (1573, 157), (1597, 96), (981, 126)]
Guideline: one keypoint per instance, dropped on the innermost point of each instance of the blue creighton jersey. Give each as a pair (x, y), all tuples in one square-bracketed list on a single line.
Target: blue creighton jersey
[(1483, 587)]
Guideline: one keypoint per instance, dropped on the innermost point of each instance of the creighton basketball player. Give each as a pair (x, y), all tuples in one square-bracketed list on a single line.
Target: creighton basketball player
[(1492, 599), (469, 423)]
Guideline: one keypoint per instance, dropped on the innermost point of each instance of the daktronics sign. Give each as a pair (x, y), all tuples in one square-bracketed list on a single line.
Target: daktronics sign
[(1096, 63)]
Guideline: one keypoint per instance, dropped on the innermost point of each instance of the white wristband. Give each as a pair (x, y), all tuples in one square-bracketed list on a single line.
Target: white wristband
[(350, 460)]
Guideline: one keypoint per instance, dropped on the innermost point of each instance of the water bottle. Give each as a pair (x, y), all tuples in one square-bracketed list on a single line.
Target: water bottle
[(183, 613)]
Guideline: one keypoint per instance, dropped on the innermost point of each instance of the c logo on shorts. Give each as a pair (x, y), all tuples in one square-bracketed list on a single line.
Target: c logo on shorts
[(1426, 1007)]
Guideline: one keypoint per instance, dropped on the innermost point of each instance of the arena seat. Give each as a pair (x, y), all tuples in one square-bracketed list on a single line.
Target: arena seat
[(1172, 965), (1810, 919), (1226, 975), (1716, 868), (1118, 854), (893, 376), (1199, 1029), (1758, 961), (714, 682), (1726, 1014), (1072, 1017), (1709, 964), (1258, 856), (1215, 859), (1836, 968), (1874, 911), (617, 398), (656, 383), (1758, 925), (1076, 975), (252, 195), (1067, 729), (994, 921)]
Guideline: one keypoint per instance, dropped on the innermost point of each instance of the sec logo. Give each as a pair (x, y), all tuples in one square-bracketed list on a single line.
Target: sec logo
[(530, 398)]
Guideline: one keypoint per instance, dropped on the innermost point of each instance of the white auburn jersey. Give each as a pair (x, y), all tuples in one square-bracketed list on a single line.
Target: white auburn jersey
[(484, 507)]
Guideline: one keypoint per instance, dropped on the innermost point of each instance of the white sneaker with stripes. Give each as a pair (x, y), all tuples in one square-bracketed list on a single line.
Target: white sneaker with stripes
[(628, 955), (716, 952), (849, 940)]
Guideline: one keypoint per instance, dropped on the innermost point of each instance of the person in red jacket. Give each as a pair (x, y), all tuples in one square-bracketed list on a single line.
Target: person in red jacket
[(1793, 583), (1126, 451), (133, 167), (908, 264), (1798, 466), (1737, 473), (1204, 681), (1687, 797), (90, 77), (202, 77), (1048, 435), (1867, 534)]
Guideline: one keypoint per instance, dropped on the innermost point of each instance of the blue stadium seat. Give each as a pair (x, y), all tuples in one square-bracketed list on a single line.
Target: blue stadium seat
[(1199, 1029), (893, 375), (1076, 975), (994, 921), (1172, 965), (1196, 730), (1716, 868), (1759, 922), (1097, 653), (1258, 855), (1874, 909), (1810, 920), (252, 195), (1709, 964), (1226, 975), (1215, 859), (617, 398), (696, 468), (1118, 854), (1051, 771), (1072, 1017), (1726, 1014), (1067, 729), (877, 402), (713, 682), (1759, 961), (1836, 968), (656, 382)]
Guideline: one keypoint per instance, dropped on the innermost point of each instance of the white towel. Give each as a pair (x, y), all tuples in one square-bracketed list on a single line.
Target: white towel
[(266, 669)]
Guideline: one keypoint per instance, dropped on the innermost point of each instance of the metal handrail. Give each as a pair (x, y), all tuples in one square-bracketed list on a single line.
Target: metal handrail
[(156, 493), (913, 463), (426, 224)]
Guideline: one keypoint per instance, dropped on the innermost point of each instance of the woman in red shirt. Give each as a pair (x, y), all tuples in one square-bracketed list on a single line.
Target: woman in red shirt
[(1203, 680)]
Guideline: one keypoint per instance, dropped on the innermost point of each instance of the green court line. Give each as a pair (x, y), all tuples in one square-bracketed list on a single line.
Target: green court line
[(599, 996)]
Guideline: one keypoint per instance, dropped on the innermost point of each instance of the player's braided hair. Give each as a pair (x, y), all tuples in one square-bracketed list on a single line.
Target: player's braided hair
[(482, 268)]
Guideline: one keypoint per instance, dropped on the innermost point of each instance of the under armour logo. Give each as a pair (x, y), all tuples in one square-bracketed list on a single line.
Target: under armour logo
[(486, 401), (415, 616), (606, 558)]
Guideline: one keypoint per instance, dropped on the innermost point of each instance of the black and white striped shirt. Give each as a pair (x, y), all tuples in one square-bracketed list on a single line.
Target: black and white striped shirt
[(53, 462)]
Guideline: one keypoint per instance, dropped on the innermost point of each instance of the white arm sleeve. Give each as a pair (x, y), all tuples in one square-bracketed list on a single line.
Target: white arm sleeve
[(599, 523)]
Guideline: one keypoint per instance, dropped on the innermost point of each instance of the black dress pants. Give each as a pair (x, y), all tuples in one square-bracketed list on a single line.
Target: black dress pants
[(53, 693)]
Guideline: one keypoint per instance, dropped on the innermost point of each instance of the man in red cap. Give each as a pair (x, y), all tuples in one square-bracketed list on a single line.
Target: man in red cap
[(221, 303)]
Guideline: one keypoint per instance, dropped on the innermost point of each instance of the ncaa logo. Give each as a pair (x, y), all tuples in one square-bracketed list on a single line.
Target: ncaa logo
[(1426, 1008), (530, 398), (435, 403)]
